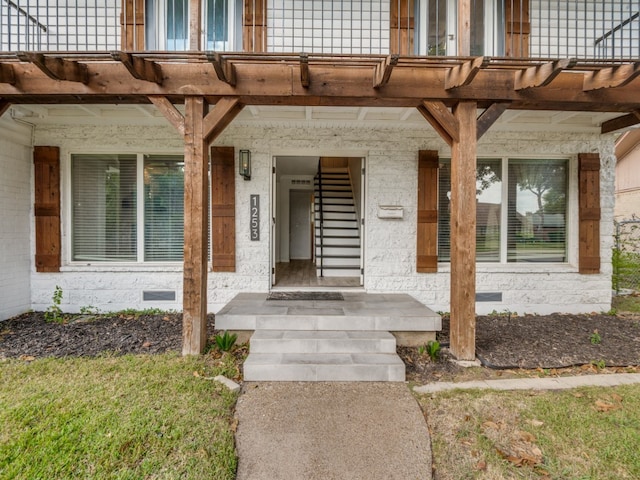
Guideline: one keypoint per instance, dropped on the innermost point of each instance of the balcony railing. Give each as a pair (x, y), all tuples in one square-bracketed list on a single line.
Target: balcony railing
[(584, 29)]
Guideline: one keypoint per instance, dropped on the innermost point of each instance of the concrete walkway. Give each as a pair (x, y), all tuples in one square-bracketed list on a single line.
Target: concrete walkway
[(555, 383), (333, 430)]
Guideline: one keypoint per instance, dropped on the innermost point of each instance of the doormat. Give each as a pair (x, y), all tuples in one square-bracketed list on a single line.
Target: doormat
[(305, 296)]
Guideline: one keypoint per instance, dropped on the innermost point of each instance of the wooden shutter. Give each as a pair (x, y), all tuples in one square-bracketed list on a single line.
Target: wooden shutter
[(254, 31), (132, 25), (427, 233), (517, 28), (223, 209), (589, 207), (47, 208), (402, 27)]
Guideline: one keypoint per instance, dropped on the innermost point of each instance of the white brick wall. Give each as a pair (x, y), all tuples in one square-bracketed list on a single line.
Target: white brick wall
[(390, 249), (15, 217)]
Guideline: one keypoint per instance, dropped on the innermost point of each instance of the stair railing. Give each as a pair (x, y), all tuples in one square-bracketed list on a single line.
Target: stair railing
[(321, 217)]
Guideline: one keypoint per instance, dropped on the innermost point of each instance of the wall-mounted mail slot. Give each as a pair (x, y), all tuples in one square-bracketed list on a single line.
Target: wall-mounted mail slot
[(390, 211)]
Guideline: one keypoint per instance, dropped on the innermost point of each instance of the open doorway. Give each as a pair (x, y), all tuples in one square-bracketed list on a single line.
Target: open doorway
[(317, 233)]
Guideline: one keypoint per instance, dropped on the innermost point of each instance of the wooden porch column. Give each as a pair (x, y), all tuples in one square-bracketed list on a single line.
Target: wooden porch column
[(464, 28), (463, 234), (196, 223), (195, 25), (199, 129)]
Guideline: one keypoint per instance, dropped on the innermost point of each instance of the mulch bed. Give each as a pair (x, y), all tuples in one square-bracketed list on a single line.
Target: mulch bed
[(502, 341)]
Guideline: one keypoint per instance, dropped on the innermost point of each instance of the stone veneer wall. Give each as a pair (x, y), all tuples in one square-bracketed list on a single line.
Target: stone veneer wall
[(391, 163), (15, 218)]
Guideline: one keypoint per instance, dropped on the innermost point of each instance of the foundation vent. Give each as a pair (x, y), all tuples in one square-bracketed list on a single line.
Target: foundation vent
[(158, 296), (488, 296)]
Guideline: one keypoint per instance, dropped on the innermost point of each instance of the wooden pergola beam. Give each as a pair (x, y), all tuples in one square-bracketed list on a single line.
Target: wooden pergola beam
[(541, 75), (140, 68), (383, 70), (305, 77), (4, 106), (441, 119), (621, 122), (220, 117), (170, 112), (464, 74), (489, 117), (57, 68), (195, 25), (613, 77), (6, 74), (225, 70)]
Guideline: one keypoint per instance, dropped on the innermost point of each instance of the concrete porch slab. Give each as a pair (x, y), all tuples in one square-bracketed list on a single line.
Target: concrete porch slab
[(358, 311)]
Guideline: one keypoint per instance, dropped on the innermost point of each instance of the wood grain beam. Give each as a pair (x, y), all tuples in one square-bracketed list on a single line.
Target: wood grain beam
[(6, 74), (196, 226), (489, 117), (220, 117), (139, 68), (305, 78), (195, 25), (57, 68), (613, 77), (383, 70), (4, 106), (464, 28), (464, 74), (170, 112), (463, 234), (225, 70), (541, 75), (441, 119), (619, 123)]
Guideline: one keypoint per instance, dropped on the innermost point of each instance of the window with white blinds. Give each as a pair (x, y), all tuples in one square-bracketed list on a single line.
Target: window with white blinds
[(127, 208), (534, 192)]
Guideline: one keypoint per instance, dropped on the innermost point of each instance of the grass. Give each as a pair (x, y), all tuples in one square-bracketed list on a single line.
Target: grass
[(591, 433), (627, 303), (124, 417)]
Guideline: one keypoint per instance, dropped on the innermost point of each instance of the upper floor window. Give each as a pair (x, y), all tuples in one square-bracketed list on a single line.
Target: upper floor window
[(167, 24), (436, 28)]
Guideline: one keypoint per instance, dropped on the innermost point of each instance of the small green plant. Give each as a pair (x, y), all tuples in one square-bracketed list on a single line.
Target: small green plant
[(433, 350), (89, 310), (595, 338), (422, 349), (133, 312), (54, 312), (599, 364), (225, 341)]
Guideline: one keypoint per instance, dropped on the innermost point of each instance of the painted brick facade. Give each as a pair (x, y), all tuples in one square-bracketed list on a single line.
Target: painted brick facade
[(390, 247), (15, 218)]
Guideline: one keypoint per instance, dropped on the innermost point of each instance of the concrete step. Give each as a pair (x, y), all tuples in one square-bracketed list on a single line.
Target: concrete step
[(326, 202), (339, 271), (338, 224), (336, 216), (350, 251), (334, 241), (350, 208), (317, 367), (322, 341), (344, 261)]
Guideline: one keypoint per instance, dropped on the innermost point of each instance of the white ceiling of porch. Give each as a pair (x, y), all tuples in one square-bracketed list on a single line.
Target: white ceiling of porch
[(511, 120)]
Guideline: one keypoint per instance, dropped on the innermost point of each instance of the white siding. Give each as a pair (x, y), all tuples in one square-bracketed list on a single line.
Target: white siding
[(15, 218)]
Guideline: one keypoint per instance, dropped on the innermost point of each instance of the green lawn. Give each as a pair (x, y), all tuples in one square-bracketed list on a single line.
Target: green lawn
[(590, 433), (128, 417)]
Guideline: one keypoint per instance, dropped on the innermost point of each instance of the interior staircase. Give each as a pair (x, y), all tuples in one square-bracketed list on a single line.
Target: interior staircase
[(337, 231)]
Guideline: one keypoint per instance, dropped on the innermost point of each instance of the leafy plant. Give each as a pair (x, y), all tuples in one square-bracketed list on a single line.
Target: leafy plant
[(133, 312), (433, 350), (54, 312), (422, 349), (595, 338), (89, 310), (225, 341), (599, 364)]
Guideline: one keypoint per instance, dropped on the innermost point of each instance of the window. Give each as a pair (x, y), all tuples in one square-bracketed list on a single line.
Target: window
[(437, 27), (535, 217), (127, 208), (167, 24)]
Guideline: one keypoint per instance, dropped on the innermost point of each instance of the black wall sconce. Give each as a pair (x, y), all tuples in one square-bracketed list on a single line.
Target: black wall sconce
[(245, 164)]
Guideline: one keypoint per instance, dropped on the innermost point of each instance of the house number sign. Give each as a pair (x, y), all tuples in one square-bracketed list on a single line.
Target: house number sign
[(255, 218)]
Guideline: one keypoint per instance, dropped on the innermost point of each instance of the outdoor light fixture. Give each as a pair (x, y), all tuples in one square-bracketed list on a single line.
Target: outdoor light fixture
[(245, 164)]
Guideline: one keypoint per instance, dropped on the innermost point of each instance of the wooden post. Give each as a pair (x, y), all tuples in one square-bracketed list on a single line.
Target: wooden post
[(464, 28), (463, 234), (195, 25), (196, 224)]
